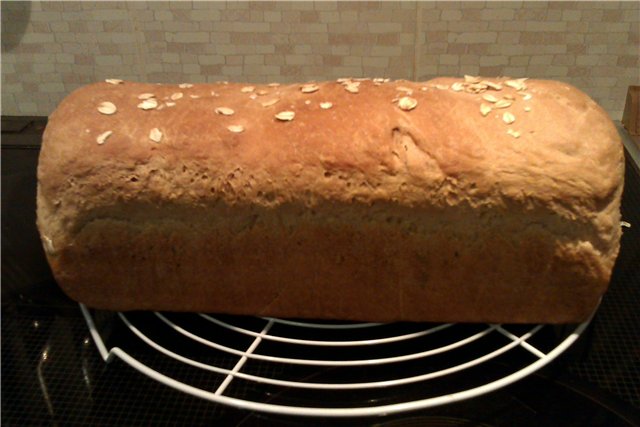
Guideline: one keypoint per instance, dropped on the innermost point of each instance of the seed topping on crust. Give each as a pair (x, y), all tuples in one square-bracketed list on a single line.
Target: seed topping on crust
[(102, 138), (236, 128), (225, 111), (407, 103), (155, 135), (285, 116), (107, 108)]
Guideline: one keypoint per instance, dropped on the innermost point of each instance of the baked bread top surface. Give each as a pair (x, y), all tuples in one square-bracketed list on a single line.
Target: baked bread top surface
[(561, 154)]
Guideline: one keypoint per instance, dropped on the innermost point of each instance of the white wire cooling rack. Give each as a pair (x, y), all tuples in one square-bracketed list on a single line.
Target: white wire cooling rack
[(365, 357)]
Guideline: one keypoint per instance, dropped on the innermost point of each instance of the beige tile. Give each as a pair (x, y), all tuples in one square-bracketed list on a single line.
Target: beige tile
[(607, 59), (456, 48), (27, 107), (520, 60), (179, 27), (388, 40), (614, 38), (576, 48), (449, 70), (163, 15), (303, 5), (554, 15), (352, 61), (596, 49), (51, 87), (552, 48), (483, 49), (451, 15), (496, 26), (431, 15), (191, 69), (302, 49), (84, 59), (628, 61), (603, 70), (272, 16), (39, 27), (428, 71), (234, 59), (436, 47), (30, 77), (211, 69), (634, 35), (43, 68), (265, 49), (508, 37), (309, 16), (502, 14), (530, 14), (512, 25), (494, 49), (380, 62), (467, 26), (231, 70), (339, 50), (62, 58), (480, 37), (609, 27), (110, 15), (123, 38), (31, 37), (205, 15), (254, 59), (344, 71), (386, 27), (290, 16), (377, 15), (211, 59), (250, 26), (325, 5), (329, 17), (631, 16), (505, 4), (545, 26), (170, 58), (308, 28), (44, 16), (109, 60), (348, 16), (571, 15), (494, 60), (188, 37), (437, 26), (541, 59), (274, 60), (298, 60), (220, 38), (469, 59), (564, 60), (7, 70)]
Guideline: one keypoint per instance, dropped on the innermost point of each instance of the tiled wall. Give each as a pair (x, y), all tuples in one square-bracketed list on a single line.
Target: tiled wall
[(51, 48)]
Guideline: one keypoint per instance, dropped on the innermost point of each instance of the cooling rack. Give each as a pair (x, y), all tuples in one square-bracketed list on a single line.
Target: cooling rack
[(327, 369)]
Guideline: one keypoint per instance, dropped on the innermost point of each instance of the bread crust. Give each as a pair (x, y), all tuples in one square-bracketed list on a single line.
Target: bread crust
[(362, 211)]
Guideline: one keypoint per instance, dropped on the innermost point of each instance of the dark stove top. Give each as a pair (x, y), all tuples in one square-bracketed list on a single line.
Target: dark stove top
[(53, 374)]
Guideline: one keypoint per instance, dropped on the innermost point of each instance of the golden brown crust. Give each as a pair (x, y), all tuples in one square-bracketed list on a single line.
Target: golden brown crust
[(395, 193)]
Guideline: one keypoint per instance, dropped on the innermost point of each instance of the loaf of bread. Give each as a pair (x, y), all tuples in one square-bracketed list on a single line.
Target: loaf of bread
[(452, 200)]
